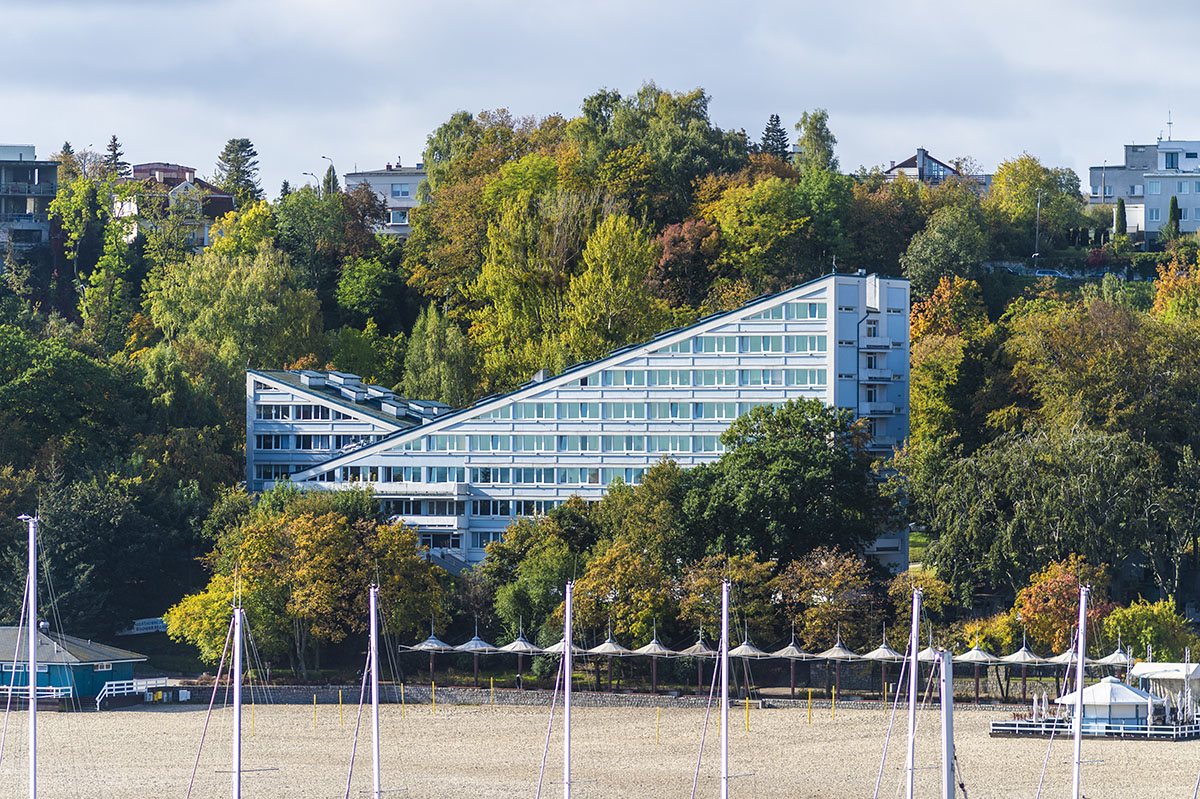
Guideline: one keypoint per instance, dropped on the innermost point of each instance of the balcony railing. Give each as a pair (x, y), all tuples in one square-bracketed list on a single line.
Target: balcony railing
[(876, 343), (29, 189), (877, 375), (876, 408), (10, 219)]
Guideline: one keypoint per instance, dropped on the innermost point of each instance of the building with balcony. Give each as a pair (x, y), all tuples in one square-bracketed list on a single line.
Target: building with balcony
[(397, 186), (27, 186), (925, 168), (460, 476)]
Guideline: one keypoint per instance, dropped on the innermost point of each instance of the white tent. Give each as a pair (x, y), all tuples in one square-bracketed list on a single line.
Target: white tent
[(1166, 678), (1110, 702)]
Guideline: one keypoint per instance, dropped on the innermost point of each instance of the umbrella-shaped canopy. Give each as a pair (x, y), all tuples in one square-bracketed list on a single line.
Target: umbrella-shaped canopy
[(477, 646), (1067, 657), (610, 648), (698, 650), (432, 644), (977, 656), (654, 649), (1119, 657), (884, 654), (748, 650), (1023, 657), (928, 655), (793, 652), (520, 647), (1108, 692), (557, 649), (838, 652)]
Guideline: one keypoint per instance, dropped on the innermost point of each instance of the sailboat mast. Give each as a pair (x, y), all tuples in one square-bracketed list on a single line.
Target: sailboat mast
[(914, 665), (947, 686), (375, 690), (566, 661), (1079, 664), (237, 703), (32, 522), (725, 689)]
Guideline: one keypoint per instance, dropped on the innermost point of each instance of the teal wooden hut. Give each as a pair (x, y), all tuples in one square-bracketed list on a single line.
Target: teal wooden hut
[(67, 666)]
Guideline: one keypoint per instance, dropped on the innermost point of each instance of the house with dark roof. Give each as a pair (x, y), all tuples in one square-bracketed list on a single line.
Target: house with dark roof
[(460, 477), (67, 666), (924, 167), (201, 203)]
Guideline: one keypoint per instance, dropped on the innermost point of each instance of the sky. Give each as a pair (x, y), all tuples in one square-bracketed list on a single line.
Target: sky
[(363, 82)]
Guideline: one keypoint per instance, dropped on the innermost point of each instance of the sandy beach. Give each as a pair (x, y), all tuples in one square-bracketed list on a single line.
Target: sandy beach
[(466, 751)]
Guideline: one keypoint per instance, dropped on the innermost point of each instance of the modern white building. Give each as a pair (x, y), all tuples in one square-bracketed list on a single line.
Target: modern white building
[(27, 186), (397, 186), (1151, 175), (461, 476)]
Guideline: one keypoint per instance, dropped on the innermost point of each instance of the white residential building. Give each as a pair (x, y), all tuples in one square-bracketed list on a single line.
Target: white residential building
[(27, 186), (1151, 175), (397, 187), (460, 476)]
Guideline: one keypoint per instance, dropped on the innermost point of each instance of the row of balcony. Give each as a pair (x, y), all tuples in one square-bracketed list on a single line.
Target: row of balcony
[(29, 189)]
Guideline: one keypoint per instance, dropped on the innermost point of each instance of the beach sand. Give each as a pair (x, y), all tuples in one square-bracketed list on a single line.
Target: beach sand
[(465, 751)]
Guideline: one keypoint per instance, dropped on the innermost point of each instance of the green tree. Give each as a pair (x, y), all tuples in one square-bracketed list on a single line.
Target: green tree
[(1158, 625), (242, 230), (625, 587), (815, 142), (827, 592), (109, 298), (1013, 199), (775, 139), (378, 358), (951, 245), (237, 171), (752, 589), (368, 289), (439, 363), (249, 309), (1121, 225), (1170, 229), (607, 304), (329, 183), (114, 160), (793, 477)]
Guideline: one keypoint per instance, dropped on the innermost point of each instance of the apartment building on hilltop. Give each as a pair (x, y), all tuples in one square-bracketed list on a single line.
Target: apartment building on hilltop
[(27, 186), (460, 476), (397, 186)]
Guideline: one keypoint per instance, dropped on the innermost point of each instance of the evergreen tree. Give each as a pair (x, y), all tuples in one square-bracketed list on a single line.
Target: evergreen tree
[(1170, 230), (329, 184), (775, 139), (1120, 224), (114, 164), (237, 171), (285, 189)]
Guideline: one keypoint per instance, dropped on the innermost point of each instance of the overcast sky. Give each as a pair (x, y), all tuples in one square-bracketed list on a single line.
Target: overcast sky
[(365, 81)]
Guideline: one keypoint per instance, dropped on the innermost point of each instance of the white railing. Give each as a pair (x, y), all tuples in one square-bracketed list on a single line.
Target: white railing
[(128, 687), (1091, 728), (43, 691)]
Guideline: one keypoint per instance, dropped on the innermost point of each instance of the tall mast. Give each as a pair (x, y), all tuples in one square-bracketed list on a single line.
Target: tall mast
[(947, 685), (914, 665), (237, 703), (725, 689), (566, 661), (375, 690), (32, 522), (1079, 663)]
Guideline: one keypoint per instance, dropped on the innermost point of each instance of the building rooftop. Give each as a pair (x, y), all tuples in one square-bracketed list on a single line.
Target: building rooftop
[(59, 648), (348, 390)]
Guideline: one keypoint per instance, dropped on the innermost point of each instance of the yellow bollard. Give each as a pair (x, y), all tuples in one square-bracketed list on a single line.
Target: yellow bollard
[(341, 713), (747, 712), (492, 695), (810, 706), (433, 695), (833, 704), (657, 725), (314, 711), (402, 713)]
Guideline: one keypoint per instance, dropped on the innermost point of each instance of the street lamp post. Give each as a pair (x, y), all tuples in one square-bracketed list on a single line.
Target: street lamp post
[(1037, 231)]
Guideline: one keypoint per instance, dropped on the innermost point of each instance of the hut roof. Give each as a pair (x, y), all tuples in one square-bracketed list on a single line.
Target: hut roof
[(698, 650), (610, 648), (477, 646), (432, 644), (977, 656), (60, 648), (520, 647), (838, 652), (654, 649), (1109, 691), (793, 652), (1023, 657), (748, 650)]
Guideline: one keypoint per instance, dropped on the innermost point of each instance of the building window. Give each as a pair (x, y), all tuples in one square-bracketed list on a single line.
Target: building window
[(1108, 191), (872, 328), (1095, 191), (307, 412), (399, 217), (718, 344), (400, 190), (1135, 190), (268, 412), (1182, 186), (270, 442), (312, 442), (102, 667), (806, 310), (1154, 187), (1153, 214), (1170, 160), (1189, 155), (1183, 214)]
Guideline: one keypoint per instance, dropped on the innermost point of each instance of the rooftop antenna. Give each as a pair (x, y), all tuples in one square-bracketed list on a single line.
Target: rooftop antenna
[(1169, 123)]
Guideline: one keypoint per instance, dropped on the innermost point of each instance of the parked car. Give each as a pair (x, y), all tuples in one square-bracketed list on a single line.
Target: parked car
[(1050, 273)]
